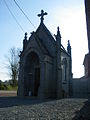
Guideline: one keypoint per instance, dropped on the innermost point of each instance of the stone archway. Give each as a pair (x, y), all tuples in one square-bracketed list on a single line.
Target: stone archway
[(32, 75)]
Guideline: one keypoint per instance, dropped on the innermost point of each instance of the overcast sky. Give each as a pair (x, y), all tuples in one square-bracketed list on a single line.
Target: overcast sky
[(69, 15)]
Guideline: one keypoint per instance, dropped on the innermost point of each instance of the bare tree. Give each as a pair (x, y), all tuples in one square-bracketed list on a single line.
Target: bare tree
[(13, 64)]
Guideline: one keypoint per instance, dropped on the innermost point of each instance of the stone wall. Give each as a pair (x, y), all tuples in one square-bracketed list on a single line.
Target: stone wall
[(81, 87), (66, 81)]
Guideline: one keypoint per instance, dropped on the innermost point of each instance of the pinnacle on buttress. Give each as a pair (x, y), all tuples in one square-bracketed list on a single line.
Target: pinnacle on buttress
[(58, 32), (25, 38), (69, 47)]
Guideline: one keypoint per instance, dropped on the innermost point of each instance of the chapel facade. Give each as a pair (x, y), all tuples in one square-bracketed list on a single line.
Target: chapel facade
[(45, 66)]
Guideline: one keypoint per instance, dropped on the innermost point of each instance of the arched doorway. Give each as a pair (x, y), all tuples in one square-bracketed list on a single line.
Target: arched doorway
[(32, 75)]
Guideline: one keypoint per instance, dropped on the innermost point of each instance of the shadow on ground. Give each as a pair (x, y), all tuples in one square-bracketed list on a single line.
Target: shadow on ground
[(15, 101), (84, 113)]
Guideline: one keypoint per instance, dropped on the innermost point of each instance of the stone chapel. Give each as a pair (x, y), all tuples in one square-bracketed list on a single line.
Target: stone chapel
[(45, 66)]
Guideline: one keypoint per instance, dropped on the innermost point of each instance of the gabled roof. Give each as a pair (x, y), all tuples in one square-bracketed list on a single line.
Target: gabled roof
[(42, 26), (46, 39), (41, 45)]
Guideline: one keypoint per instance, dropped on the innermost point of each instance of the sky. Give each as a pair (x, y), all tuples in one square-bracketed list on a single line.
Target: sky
[(69, 15)]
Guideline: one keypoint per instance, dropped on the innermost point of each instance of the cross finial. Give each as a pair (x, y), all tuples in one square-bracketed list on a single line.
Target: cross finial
[(42, 15)]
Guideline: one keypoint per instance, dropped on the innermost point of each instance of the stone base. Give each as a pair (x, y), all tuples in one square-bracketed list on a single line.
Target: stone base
[(87, 65)]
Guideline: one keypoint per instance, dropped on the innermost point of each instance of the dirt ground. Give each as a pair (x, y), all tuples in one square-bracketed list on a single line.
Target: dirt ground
[(4, 93)]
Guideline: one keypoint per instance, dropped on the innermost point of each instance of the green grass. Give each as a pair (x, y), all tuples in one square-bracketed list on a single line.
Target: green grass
[(9, 87)]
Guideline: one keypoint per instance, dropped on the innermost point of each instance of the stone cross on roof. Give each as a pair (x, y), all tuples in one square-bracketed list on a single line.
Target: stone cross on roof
[(42, 15)]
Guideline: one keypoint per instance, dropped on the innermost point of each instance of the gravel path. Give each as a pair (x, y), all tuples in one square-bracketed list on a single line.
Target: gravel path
[(12, 108)]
